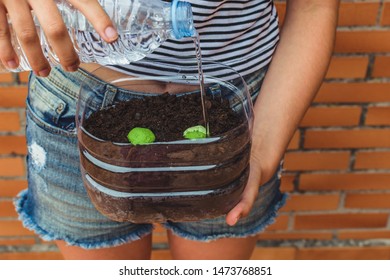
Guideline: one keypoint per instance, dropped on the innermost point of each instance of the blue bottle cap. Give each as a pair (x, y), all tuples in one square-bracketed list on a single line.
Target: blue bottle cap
[(182, 19)]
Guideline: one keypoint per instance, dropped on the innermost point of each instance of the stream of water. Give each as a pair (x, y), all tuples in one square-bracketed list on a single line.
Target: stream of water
[(198, 54)]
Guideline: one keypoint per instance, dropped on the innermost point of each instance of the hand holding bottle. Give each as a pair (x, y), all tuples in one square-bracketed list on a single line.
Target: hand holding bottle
[(46, 12)]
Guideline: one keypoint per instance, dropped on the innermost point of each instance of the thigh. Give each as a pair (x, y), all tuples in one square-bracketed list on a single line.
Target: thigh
[(219, 249), (140, 249)]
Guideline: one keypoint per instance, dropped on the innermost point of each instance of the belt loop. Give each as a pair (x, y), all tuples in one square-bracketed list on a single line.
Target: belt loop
[(109, 96)]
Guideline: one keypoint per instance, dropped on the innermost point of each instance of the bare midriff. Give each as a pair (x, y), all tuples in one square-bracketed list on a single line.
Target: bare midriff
[(153, 86)]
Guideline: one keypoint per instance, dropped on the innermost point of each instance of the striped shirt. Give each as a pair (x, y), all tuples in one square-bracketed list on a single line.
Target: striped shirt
[(239, 33)]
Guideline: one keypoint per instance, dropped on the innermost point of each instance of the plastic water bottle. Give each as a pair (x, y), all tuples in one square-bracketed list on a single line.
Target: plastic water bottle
[(143, 25)]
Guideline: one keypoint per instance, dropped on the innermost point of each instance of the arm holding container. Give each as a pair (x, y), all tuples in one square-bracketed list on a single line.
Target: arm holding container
[(294, 77)]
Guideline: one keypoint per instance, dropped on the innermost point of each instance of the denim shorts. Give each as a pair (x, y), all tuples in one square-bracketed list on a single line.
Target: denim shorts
[(56, 205)]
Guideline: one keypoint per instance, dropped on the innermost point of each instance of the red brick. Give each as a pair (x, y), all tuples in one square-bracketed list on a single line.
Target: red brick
[(31, 256), (367, 200), (294, 142), (287, 183), (311, 202), (281, 8), (13, 145), (295, 161), (9, 121), (347, 67), (295, 235), (358, 13), (13, 97), (7, 209), (353, 93), (372, 160), (341, 221), (345, 181), (372, 234), (354, 138), (350, 14), (11, 167), (13, 228), (378, 116), (349, 253), (381, 67), (385, 20), (159, 234), (6, 78), (281, 223), (10, 188), (23, 77), (362, 41), (331, 116)]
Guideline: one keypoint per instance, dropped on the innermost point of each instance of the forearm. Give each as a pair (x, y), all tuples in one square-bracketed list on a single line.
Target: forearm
[(294, 77)]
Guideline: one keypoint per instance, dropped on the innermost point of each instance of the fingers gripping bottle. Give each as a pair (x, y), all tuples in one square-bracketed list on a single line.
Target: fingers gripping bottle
[(143, 25)]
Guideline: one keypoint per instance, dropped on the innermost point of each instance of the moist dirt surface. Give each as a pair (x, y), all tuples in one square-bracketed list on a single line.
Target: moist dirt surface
[(167, 115)]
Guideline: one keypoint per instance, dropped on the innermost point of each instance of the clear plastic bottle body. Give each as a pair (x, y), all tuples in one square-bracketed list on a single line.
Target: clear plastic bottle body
[(143, 25)]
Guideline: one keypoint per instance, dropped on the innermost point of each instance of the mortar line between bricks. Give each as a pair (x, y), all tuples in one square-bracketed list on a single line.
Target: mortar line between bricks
[(26, 248), (341, 206), (290, 222), (308, 151), (316, 193), (313, 243), (352, 160), (296, 180), (335, 105), (345, 172), (11, 155), (13, 178), (370, 67), (302, 132), (362, 28), (6, 198), (321, 230), (380, 13), (363, 115), (343, 212), (2, 238), (350, 128), (377, 171), (358, 80), (349, 104), (19, 132)]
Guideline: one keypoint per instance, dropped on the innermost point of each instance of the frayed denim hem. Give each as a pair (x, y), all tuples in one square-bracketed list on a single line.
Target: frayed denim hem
[(265, 222), (29, 223)]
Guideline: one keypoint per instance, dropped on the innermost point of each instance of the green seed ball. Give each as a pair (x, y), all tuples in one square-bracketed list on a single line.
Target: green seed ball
[(195, 132), (141, 136)]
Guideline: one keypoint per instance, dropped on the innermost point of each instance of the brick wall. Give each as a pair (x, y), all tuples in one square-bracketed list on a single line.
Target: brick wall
[(337, 165)]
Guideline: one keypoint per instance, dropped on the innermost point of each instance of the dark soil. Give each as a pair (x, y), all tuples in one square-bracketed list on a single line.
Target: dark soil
[(167, 115)]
